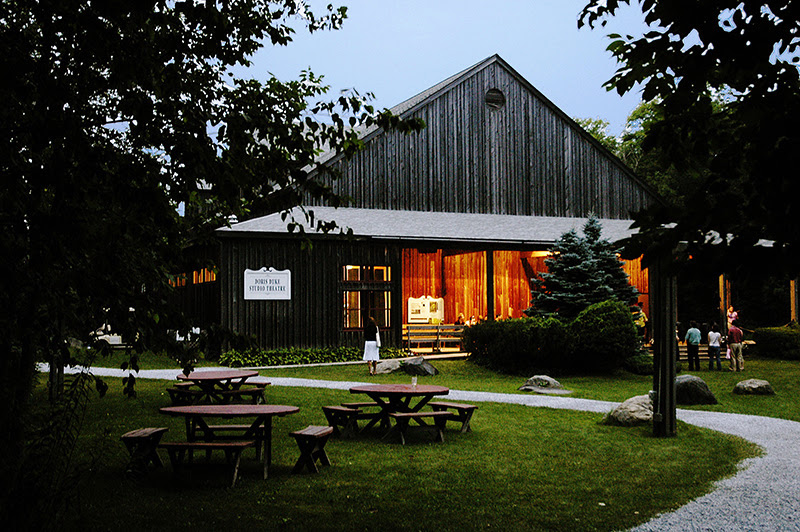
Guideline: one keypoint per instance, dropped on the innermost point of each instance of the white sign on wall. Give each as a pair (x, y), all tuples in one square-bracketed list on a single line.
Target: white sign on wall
[(425, 309), (268, 284)]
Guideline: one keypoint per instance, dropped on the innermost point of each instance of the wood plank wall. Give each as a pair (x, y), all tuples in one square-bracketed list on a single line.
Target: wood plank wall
[(521, 159), (641, 280), (314, 316)]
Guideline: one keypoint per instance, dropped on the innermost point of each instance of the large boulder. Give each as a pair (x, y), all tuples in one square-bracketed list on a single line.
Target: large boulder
[(691, 390), (753, 387), (634, 411), (387, 366), (544, 384), (418, 366)]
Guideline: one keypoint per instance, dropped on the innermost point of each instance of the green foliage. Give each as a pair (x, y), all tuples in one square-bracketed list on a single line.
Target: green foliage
[(604, 336), (598, 128), (639, 364), (517, 345), (49, 476), (581, 271), (778, 342), (255, 357), (598, 340), (127, 139), (745, 55)]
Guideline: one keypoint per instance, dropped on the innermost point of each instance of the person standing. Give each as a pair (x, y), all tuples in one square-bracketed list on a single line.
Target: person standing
[(372, 341), (735, 339), (693, 346), (714, 337), (732, 315), (640, 319)]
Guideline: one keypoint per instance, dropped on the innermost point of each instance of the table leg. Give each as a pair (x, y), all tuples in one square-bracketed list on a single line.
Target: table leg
[(383, 416), (267, 424)]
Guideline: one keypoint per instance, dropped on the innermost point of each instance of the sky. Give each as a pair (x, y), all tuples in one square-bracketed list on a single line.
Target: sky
[(399, 48)]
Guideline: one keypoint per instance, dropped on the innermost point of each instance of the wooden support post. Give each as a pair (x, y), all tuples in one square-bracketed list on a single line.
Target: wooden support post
[(794, 292), (663, 290), (724, 301), (490, 285)]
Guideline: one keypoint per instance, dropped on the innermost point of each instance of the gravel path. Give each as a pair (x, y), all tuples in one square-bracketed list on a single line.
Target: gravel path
[(763, 495)]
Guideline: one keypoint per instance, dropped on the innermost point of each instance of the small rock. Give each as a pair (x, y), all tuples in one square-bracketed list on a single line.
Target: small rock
[(692, 390), (634, 411), (544, 384), (753, 387)]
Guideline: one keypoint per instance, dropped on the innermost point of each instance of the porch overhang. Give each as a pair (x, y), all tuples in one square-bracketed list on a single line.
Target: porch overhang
[(434, 227)]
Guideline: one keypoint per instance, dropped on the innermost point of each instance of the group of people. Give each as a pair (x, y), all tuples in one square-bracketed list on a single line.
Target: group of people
[(733, 340), (460, 320)]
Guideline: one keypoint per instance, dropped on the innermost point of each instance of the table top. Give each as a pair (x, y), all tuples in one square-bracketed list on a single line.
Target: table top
[(230, 410), (218, 375), (389, 390)]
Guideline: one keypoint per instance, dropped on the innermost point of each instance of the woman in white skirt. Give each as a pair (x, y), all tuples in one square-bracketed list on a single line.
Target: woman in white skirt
[(372, 341)]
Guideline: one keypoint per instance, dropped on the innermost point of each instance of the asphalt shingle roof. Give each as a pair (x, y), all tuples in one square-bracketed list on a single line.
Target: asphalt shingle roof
[(438, 226)]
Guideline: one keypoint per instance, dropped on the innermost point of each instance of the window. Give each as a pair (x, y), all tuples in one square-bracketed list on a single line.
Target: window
[(367, 273), (198, 277), (367, 292), (203, 276), (495, 98)]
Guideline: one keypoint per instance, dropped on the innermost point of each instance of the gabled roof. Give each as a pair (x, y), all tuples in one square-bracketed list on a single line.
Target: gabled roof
[(409, 106), (416, 226)]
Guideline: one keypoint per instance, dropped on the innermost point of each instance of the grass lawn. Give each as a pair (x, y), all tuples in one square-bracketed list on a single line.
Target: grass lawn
[(463, 375), (521, 468)]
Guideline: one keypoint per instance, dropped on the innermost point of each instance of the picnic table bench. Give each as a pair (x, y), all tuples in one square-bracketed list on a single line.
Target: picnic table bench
[(402, 420), (141, 445), (177, 451), (311, 441), (463, 412), (199, 431), (371, 411), (185, 394), (344, 417)]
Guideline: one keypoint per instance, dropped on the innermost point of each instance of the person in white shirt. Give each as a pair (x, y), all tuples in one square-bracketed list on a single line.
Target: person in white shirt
[(714, 347)]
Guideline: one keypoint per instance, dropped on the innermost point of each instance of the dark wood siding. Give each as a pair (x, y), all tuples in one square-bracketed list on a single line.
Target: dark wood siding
[(526, 158), (313, 317)]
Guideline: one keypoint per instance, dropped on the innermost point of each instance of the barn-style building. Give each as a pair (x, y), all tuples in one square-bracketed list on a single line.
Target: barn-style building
[(450, 221)]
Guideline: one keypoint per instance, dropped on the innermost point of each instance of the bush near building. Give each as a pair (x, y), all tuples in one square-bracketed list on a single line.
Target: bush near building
[(778, 342), (598, 340), (256, 357)]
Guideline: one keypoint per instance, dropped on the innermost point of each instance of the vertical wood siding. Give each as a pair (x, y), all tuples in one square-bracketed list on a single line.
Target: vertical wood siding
[(521, 159), (512, 291), (640, 279), (314, 316)]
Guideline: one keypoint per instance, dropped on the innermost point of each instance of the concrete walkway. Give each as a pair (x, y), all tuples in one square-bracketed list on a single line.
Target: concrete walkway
[(764, 495)]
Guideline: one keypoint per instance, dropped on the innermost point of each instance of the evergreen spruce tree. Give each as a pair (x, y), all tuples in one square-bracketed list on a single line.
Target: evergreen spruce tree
[(581, 271)]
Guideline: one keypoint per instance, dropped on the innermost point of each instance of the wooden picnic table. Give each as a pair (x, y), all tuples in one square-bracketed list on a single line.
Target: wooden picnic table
[(259, 430), (213, 383), (393, 398)]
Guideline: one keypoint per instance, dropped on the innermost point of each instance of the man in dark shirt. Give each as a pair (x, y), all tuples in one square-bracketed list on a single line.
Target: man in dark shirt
[(735, 339)]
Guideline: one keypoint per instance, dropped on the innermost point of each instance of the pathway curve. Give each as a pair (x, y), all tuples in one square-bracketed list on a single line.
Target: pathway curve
[(763, 495)]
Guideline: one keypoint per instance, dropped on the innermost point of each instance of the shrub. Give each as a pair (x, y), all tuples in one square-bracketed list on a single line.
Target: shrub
[(778, 342), (604, 337), (639, 364), (297, 355), (598, 340), (517, 345)]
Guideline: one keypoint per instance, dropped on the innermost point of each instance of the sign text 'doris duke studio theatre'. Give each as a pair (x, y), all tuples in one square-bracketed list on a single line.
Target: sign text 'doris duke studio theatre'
[(268, 284)]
